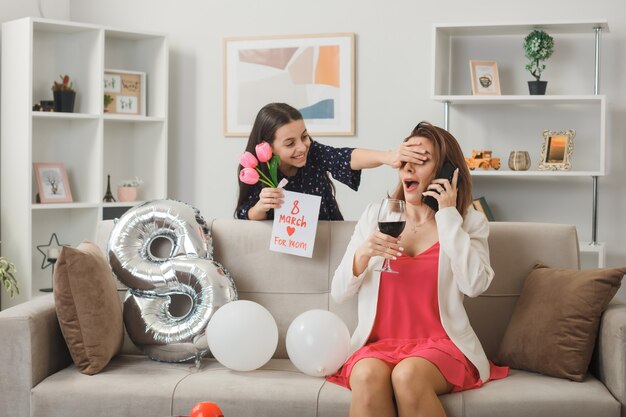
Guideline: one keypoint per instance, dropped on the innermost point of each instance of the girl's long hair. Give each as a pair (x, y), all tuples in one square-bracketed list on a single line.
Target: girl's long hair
[(268, 120)]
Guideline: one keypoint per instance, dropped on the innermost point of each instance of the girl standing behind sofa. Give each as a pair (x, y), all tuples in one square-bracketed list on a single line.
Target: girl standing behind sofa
[(306, 164), (413, 340)]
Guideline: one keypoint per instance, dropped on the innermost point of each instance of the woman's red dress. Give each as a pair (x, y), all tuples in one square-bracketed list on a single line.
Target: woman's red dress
[(408, 324)]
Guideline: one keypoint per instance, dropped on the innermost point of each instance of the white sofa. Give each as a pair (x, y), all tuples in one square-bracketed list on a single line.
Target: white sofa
[(38, 378)]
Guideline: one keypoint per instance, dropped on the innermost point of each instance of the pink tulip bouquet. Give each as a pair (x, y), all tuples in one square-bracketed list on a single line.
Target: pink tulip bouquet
[(251, 174)]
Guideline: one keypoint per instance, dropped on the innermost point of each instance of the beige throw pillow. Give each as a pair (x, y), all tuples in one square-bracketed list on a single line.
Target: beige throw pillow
[(555, 323), (88, 307)]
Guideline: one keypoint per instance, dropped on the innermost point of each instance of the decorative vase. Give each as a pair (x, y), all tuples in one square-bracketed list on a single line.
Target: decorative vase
[(64, 101), (126, 194), (519, 161), (537, 88)]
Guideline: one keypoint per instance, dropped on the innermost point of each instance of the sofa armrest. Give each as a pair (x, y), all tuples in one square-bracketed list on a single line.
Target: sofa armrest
[(611, 351), (32, 347)]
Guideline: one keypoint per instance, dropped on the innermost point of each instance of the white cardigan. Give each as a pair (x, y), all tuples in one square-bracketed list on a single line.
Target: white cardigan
[(464, 268)]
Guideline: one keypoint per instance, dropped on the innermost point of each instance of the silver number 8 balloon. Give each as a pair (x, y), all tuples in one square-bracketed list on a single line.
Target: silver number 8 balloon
[(161, 250)]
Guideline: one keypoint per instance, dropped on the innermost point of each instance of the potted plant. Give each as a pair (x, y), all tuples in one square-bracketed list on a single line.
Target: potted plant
[(127, 190), (64, 95), (108, 99), (538, 46), (7, 269)]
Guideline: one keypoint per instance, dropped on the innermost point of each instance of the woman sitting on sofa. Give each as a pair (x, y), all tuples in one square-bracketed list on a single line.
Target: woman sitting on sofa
[(413, 340)]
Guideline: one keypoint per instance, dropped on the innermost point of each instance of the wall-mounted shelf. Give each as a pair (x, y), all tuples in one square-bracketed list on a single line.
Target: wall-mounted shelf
[(516, 99), (515, 120)]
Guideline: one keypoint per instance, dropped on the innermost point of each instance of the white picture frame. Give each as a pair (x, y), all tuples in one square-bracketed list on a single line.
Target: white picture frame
[(313, 73), (485, 78)]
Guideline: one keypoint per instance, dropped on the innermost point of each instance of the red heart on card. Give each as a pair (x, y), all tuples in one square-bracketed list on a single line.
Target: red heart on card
[(290, 230)]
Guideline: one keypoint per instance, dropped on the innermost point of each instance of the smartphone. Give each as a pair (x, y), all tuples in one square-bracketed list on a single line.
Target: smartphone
[(447, 172)]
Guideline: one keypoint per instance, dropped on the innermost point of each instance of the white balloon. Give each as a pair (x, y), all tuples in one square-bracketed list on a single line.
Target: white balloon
[(318, 342), (242, 335)]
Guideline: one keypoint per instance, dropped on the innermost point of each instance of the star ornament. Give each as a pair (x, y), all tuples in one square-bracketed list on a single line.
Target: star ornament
[(50, 251)]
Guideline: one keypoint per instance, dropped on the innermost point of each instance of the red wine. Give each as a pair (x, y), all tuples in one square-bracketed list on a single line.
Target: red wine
[(392, 229)]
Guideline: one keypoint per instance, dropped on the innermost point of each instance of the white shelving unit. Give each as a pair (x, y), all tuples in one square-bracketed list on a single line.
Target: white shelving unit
[(573, 98), (90, 143)]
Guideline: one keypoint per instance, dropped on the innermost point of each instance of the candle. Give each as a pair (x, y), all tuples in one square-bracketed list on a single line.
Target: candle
[(53, 253)]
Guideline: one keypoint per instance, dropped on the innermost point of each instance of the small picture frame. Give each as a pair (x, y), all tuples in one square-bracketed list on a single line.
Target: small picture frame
[(485, 79), (52, 183), (124, 92), (480, 204), (557, 149)]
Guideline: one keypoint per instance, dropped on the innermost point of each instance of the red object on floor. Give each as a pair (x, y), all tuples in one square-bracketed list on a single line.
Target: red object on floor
[(206, 409)]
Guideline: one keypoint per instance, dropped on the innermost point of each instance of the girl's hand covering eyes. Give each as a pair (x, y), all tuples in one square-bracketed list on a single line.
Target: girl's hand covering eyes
[(409, 151)]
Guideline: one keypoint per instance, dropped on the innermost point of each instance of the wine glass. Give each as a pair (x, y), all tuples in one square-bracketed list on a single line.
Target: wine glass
[(391, 221)]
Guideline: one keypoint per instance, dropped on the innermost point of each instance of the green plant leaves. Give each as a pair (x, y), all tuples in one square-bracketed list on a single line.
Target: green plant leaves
[(538, 46), (273, 167), (6, 276)]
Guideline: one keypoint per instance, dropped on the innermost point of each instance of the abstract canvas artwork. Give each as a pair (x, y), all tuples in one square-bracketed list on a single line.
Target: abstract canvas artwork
[(313, 73)]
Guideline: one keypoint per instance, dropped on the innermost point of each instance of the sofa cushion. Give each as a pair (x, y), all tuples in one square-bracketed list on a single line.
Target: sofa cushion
[(514, 248), (88, 307), (254, 393), (529, 394), (555, 322), (130, 386), (294, 285)]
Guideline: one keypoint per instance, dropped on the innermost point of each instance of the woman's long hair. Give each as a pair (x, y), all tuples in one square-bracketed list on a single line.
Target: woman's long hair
[(446, 148)]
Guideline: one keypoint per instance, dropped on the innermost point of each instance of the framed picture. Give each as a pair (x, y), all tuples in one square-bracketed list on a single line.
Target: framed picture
[(485, 79), (556, 151), (52, 183), (480, 204), (313, 73), (124, 92)]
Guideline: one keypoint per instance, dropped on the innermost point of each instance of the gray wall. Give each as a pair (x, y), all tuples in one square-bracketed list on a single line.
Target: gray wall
[(52, 9), (392, 89)]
